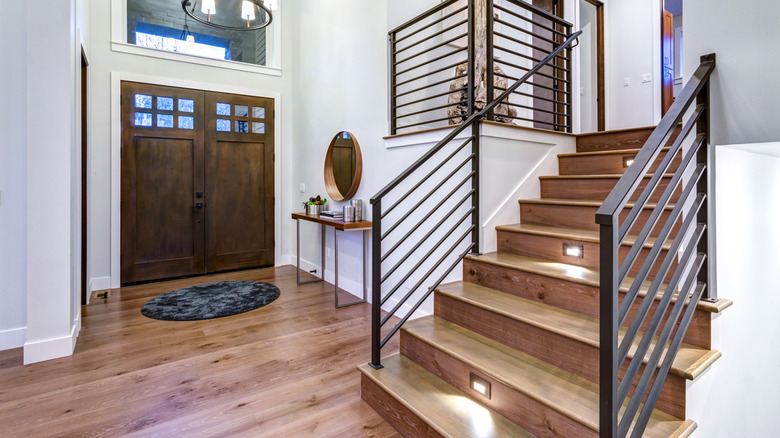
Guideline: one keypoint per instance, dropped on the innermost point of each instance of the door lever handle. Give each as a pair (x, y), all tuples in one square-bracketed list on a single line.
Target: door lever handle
[(198, 205)]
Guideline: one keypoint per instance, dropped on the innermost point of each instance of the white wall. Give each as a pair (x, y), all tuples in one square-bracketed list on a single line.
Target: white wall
[(107, 68), (744, 85), (738, 395), (13, 175)]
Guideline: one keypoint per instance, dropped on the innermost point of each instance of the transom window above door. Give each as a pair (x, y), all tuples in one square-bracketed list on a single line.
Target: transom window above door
[(162, 25)]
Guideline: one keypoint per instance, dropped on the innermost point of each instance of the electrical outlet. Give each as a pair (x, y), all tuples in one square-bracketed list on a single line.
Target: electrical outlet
[(302, 188), (646, 78), (626, 82)]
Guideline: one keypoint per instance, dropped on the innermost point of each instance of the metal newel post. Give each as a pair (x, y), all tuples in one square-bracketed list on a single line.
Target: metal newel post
[(706, 186), (376, 283), (608, 330)]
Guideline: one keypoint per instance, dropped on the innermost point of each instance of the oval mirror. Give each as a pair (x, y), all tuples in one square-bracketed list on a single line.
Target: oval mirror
[(343, 167)]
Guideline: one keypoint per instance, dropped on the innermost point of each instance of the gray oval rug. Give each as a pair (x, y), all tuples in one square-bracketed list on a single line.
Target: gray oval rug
[(210, 300)]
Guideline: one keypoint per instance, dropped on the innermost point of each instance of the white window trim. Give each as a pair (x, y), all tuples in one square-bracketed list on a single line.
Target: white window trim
[(119, 44)]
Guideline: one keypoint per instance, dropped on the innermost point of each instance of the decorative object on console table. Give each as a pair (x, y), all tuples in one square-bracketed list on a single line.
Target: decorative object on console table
[(314, 205), (358, 205), (349, 213)]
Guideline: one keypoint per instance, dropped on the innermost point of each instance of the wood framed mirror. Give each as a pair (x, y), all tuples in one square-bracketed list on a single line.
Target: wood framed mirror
[(343, 167)]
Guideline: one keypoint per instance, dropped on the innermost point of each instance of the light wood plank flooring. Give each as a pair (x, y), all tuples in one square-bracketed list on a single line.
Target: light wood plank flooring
[(285, 370)]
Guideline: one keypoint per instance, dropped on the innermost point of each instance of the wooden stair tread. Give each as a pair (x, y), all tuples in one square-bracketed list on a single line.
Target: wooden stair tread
[(576, 274), (605, 176), (609, 152), (565, 392), (689, 362), (443, 407), (570, 234), (584, 203)]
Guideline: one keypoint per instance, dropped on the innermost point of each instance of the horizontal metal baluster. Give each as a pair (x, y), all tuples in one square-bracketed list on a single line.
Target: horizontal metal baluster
[(427, 74), (539, 13), (674, 347), (429, 121), (425, 87), (427, 274), (659, 208), (457, 90), (442, 202), (425, 198), (529, 83), (427, 110), (526, 44), (429, 37), (425, 178), (430, 61), (556, 113), (655, 321), (532, 120), (427, 293), (530, 58), (644, 198), (420, 263), (430, 49), (525, 31), (427, 14), (424, 239), (525, 69)]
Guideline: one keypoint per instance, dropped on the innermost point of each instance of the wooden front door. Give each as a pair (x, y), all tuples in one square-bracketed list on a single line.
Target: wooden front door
[(239, 182), (667, 62), (197, 186)]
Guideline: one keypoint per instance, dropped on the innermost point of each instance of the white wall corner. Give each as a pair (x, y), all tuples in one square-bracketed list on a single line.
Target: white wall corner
[(99, 283), (47, 349)]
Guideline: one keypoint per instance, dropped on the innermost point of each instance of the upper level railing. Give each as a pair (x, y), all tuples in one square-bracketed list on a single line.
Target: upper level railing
[(681, 278), (427, 219), (449, 62)]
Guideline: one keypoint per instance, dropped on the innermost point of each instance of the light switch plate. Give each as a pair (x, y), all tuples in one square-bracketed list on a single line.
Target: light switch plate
[(302, 188), (626, 82), (646, 78)]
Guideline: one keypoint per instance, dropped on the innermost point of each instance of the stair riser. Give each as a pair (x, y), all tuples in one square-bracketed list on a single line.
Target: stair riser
[(569, 354), (597, 188), (395, 413), (583, 218), (551, 248), (568, 295), (605, 164), (613, 141), (532, 415)]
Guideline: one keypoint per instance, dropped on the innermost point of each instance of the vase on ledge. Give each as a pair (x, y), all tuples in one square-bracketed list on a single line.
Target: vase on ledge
[(314, 209)]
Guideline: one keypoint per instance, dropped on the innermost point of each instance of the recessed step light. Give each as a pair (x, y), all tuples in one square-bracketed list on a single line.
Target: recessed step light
[(627, 161), (572, 250), (480, 385)]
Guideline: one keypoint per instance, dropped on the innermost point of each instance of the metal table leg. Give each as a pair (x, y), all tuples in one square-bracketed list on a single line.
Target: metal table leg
[(298, 254), (336, 272)]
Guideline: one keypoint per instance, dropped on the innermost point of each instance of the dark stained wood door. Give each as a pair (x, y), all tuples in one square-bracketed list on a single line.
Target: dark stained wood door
[(239, 182), (667, 61), (162, 173)]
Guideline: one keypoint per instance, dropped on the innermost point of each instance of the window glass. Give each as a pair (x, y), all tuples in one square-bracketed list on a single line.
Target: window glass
[(258, 112), (162, 25), (186, 106), (165, 103), (242, 126), (164, 121), (143, 119), (223, 125), (258, 127), (143, 101), (242, 111), (186, 122), (223, 109)]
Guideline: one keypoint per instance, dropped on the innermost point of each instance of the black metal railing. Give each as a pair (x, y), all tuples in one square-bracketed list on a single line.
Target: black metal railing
[(687, 188), (449, 62), (436, 228)]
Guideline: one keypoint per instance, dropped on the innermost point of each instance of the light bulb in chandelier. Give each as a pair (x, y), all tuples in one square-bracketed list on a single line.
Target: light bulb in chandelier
[(247, 12), (209, 7)]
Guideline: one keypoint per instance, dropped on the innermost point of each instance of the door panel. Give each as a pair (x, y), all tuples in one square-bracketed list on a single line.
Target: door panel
[(240, 182), (162, 170)]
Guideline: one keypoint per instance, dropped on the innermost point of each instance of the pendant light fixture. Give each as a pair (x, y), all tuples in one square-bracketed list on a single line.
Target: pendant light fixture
[(247, 12)]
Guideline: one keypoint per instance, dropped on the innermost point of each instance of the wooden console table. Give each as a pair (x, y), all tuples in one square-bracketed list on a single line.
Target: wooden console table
[(338, 225)]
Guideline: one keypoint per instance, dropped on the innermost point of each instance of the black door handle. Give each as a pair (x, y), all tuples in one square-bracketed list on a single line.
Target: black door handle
[(198, 205)]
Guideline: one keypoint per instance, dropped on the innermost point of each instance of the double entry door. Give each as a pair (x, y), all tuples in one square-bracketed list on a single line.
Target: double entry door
[(197, 182)]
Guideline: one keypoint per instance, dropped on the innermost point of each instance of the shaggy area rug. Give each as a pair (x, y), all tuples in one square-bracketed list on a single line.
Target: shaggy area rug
[(210, 300)]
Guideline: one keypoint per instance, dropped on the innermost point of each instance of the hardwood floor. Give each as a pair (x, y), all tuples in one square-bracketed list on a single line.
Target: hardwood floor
[(285, 370)]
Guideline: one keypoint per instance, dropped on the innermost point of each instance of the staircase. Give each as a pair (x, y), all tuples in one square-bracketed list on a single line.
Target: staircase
[(525, 321)]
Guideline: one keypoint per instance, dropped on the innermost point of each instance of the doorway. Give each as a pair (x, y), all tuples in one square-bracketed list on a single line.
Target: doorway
[(197, 182), (671, 52), (591, 49)]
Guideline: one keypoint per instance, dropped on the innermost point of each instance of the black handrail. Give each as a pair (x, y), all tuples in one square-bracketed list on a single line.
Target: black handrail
[(472, 121), (690, 248)]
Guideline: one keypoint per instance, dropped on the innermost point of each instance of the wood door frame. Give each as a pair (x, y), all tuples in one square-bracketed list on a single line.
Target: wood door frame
[(600, 84), (116, 155), (84, 174)]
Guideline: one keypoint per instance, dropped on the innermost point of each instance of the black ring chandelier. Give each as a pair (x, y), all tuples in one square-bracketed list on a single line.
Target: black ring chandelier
[(209, 7)]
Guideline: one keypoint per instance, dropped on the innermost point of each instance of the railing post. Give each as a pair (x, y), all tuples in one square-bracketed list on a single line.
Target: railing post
[(489, 59), (706, 185), (391, 63), (376, 283), (475, 183), (608, 329), (568, 118), (472, 65)]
